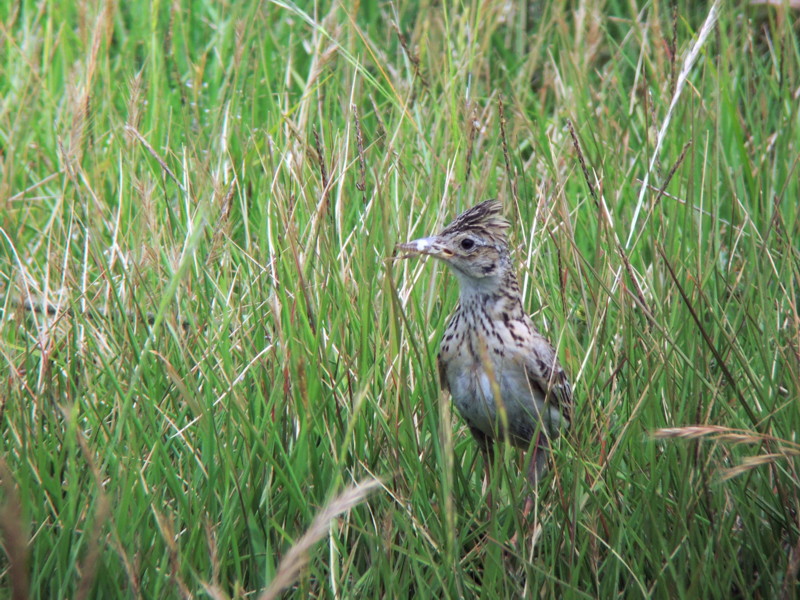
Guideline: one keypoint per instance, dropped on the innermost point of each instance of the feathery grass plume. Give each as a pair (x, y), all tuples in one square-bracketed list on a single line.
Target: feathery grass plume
[(134, 106), (780, 449), (297, 557), (694, 432)]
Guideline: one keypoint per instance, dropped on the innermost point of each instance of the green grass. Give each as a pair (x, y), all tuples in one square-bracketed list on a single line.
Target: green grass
[(201, 163)]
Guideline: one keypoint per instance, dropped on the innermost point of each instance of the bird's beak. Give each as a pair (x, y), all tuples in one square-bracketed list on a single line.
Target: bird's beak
[(432, 246)]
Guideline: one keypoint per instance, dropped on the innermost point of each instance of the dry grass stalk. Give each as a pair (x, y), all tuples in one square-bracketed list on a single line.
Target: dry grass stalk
[(784, 448), (135, 133), (380, 133), (503, 139), (323, 169), (91, 561), (683, 76), (361, 184), (297, 557), (168, 535), (722, 434), (412, 57), (673, 48), (582, 161), (473, 129), (15, 540)]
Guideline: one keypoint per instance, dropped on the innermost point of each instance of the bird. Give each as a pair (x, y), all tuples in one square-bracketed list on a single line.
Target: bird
[(503, 376)]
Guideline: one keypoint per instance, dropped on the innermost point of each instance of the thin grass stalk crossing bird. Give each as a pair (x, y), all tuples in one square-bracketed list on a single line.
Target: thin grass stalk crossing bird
[(503, 375)]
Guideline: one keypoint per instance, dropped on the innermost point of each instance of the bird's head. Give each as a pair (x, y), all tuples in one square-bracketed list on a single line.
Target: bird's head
[(474, 245)]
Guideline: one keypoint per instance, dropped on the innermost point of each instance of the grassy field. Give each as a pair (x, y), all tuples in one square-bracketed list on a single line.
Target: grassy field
[(216, 380)]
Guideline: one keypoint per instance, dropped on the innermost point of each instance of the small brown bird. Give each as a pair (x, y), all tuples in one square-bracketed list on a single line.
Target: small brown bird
[(503, 376)]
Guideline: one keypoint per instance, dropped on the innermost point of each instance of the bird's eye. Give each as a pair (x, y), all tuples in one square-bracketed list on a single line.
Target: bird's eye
[(467, 243)]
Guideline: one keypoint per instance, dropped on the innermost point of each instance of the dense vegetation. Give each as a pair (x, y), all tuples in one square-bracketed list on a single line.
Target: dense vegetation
[(206, 344)]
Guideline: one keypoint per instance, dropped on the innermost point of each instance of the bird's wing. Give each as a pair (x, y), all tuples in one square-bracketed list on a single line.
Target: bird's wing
[(546, 374)]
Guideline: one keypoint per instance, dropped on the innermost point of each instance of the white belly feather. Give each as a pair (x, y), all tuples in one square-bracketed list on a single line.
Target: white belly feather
[(478, 399)]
